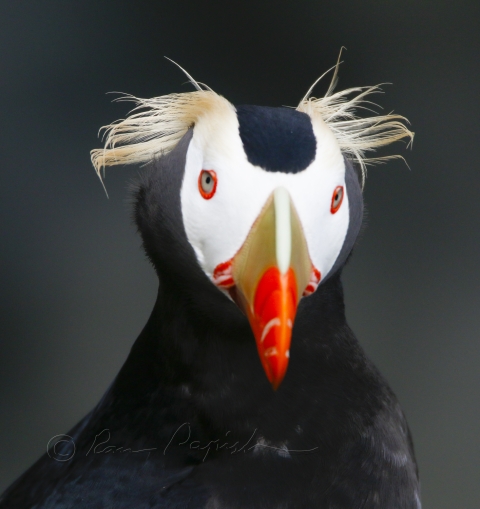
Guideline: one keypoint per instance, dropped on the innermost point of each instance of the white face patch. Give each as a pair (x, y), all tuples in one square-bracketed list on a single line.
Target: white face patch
[(217, 227)]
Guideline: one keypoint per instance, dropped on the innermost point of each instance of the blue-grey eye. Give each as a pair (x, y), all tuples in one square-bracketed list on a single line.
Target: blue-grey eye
[(207, 183), (337, 199)]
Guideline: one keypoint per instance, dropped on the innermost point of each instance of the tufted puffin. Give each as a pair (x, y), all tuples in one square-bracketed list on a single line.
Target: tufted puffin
[(246, 388)]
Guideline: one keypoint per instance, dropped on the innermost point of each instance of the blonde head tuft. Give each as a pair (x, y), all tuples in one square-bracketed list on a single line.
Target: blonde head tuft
[(154, 127), (356, 135)]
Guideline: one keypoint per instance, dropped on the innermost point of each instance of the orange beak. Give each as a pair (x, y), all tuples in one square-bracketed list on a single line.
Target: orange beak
[(270, 272), (272, 317)]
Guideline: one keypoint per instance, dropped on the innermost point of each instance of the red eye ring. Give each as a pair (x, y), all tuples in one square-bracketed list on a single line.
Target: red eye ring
[(337, 199), (207, 183)]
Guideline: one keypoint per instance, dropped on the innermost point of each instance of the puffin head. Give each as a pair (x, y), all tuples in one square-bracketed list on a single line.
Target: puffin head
[(267, 199)]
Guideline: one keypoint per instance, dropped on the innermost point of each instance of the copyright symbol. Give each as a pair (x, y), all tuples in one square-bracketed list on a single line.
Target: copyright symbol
[(61, 448)]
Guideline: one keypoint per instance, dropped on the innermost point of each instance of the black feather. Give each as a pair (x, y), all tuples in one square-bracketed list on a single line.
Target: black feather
[(192, 422), (277, 139)]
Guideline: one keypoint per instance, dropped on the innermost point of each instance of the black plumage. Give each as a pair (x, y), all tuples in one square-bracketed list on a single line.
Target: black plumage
[(191, 420), (277, 139)]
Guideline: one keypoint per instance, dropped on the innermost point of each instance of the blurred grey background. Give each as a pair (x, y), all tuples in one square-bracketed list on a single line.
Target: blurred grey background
[(76, 288)]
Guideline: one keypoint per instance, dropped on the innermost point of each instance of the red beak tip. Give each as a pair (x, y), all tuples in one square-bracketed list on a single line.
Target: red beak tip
[(275, 376)]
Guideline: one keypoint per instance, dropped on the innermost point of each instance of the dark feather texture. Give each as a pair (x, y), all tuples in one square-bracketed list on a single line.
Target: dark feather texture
[(191, 420), (277, 139)]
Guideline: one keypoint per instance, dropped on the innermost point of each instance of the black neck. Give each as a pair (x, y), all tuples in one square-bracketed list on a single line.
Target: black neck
[(205, 344), (196, 362)]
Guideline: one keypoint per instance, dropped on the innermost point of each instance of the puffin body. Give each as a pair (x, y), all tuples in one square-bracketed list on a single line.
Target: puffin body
[(248, 215)]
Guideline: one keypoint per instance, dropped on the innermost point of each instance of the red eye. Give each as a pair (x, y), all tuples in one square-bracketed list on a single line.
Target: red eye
[(207, 183), (337, 199)]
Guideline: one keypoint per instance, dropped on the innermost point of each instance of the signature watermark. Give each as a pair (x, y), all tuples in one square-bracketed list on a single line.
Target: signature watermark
[(63, 447)]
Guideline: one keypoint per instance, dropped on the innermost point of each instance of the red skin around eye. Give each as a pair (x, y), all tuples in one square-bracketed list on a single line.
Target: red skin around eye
[(212, 174), (333, 208)]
